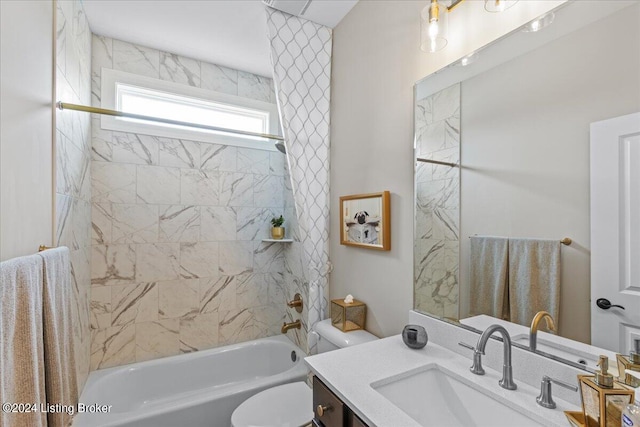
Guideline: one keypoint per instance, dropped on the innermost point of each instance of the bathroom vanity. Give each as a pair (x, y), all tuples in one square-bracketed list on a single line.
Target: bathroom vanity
[(330, 410), (385, 383)]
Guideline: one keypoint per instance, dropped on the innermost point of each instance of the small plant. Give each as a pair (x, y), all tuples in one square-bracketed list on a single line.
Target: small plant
[(277, 222)]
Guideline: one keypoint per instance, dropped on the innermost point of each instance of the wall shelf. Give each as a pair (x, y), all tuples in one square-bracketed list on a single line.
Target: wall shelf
[(278, 241)]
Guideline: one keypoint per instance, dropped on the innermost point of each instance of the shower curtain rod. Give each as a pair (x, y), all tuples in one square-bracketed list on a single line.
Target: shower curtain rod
[(437, 162), (107, 112)]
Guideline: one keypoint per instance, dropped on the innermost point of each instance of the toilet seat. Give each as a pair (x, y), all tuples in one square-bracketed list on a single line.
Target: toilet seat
[(287, 405)]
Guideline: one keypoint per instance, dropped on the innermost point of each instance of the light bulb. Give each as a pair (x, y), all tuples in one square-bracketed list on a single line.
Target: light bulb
[(433, 27), (433, 30)]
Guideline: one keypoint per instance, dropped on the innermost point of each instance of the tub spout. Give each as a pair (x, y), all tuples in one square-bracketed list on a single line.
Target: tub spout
[(291, 325)]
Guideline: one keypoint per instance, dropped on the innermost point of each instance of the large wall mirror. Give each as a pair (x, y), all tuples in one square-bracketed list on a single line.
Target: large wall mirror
[(504, 167)]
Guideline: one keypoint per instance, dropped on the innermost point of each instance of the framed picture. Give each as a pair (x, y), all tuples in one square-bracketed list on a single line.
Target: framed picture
[(365, 221)]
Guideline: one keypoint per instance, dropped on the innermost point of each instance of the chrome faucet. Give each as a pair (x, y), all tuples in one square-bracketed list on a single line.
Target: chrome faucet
[(533, 331), (478, 351)]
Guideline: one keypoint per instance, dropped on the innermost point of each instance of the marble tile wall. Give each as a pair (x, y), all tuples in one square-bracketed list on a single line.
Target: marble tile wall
[(178, 262), (436, 241), (73, 154)]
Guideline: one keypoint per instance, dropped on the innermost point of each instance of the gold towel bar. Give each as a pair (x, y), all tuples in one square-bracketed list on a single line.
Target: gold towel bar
[(44, 248), (565, 241)]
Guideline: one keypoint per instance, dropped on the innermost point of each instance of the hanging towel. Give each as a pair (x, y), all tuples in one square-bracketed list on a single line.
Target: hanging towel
[(60, 365), (21, 343), (489, 276), (534, 278)]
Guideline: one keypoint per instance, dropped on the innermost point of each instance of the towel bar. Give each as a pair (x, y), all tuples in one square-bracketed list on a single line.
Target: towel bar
[(44, 248), (565, 241)]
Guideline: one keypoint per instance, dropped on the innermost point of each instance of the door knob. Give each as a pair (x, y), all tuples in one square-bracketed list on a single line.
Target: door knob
[(605, 304)]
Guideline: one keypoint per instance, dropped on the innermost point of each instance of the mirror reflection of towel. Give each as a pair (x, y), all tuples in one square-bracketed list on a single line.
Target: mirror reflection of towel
[(534, 278), (489, 276)]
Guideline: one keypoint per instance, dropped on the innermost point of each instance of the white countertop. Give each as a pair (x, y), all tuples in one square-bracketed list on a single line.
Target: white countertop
[(349, 373)]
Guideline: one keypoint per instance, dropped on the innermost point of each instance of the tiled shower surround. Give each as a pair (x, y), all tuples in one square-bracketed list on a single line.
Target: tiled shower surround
[(436, 244), (73, 154), (178, 263)]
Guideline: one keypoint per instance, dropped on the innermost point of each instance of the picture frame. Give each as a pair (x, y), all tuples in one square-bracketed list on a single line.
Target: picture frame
[(365, 221)]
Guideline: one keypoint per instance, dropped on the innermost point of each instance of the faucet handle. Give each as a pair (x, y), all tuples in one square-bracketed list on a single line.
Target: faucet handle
[(545, 399), (476, 368), (465, 345)]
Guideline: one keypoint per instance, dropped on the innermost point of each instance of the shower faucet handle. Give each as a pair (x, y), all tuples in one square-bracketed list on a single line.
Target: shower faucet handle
[(296, 303)]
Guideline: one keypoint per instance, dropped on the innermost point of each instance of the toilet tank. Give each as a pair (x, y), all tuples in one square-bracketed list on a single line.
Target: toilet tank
[(332, 338)]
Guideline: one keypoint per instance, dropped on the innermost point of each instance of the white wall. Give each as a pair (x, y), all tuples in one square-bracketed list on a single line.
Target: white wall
[(525, 147), (26, 122), (376, 61)]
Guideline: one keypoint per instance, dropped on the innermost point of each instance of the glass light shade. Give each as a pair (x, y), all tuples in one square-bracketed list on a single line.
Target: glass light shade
[(539, 23), (496, 6), (434, 26)]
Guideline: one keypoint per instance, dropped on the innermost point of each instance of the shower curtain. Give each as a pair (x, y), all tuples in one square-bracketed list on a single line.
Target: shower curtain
[(301, 59)]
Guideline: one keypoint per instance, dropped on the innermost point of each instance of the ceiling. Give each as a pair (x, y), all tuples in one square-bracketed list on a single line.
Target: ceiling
[(224, 32)]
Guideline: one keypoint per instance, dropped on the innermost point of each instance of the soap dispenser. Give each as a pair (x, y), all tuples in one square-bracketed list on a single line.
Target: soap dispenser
[(603, 377), (630, 362), (603, 399)]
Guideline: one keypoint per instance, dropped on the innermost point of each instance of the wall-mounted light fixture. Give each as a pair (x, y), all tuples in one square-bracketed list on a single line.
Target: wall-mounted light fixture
[(434, 25), (434, 22), (496, 6)]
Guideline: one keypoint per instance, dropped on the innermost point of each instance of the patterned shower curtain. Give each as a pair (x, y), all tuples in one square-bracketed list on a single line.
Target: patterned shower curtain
[(301, 59)]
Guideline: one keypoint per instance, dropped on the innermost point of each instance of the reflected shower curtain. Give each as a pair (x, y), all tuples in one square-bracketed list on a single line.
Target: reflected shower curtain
[(301, 59)]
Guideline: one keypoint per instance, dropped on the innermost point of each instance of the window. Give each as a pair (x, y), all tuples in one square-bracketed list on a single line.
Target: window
[(135, 94)]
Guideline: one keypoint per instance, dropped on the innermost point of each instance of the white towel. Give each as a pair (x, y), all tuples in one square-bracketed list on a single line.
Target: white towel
[(534, 278), (21, 340), (489, 276), (60, 365)]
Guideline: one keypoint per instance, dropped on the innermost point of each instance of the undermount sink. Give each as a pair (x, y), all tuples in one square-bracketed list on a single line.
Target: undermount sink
[(434, 396), (587, 359)]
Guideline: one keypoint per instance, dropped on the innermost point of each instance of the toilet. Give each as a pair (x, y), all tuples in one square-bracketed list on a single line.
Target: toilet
[(290, 405)]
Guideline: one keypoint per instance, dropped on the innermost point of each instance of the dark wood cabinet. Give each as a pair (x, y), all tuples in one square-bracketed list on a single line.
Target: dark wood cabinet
[(357, 422), (329, 410)]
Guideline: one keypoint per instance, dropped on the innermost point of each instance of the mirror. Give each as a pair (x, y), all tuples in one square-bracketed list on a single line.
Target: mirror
[(502, 148)]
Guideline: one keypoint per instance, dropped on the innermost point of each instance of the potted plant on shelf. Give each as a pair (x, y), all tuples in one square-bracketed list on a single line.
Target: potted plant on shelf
[(277, 231)]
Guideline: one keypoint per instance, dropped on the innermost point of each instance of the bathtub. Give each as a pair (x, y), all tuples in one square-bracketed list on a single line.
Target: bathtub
[(191, 390)]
